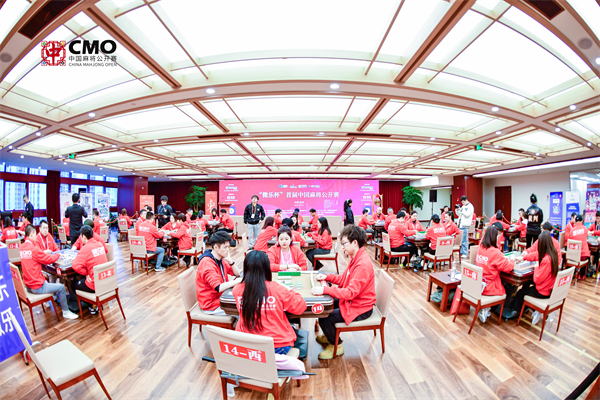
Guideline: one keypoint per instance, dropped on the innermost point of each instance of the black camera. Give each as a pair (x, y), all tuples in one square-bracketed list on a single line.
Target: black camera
[(457, 206)]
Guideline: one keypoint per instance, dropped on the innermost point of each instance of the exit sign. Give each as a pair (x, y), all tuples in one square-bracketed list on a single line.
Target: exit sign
[(72, 156), (478, 146)]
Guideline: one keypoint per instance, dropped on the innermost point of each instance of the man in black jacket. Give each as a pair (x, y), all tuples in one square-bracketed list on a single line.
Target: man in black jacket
[(253, 214), (163, 212), (535, 219), (28, 209), (76, 214)]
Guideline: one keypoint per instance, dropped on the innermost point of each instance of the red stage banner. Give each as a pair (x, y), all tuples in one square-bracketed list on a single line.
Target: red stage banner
[(210, 202)]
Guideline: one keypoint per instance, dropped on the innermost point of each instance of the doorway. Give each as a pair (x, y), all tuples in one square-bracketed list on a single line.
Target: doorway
[(503, 201)]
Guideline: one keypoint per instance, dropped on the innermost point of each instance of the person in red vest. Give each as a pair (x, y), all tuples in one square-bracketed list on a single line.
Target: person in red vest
[(227, 221), (413, 223), (491, 259), (444, 214), (150, 233), (125, 217), (398, 231), (297, 227), (379, 215), (580, 232), (278, 218), (451, 228), (266, 234), (354, 296), (314, 220), (521, 225), (389, 218), (571, 224), (9, 231), (140, 220), (323, 243), (212, 277), (44, 240), (296, 236), (184, 234), (79, 243), (172, 224), (91, 254), (24, 222), (284, 256), (98, 222), (365, 222), (263, 303), (32, 258), (214, 215), (435, 231), (188, 215), (298, 216), (531, 254), (499, 217)]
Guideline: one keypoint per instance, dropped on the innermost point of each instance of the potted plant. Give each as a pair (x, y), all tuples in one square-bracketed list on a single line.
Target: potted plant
[(413, 197), (195, 198)]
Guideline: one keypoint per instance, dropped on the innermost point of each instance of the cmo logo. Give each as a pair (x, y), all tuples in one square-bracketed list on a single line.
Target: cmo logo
[(54, 53)]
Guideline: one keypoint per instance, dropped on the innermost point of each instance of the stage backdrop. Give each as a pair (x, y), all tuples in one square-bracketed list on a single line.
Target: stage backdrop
[(324, 195)]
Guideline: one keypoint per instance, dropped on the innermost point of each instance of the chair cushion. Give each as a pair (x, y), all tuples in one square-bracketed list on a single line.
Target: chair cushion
[(431, 257), (571, 263), (262, 384), (143, 256), (34, 298), (188, 252), (14, 259), (373, 320), (398, 253), (484, 299), (330, 256), (64, 362), (197, 315), (541, 303), (92, 296)]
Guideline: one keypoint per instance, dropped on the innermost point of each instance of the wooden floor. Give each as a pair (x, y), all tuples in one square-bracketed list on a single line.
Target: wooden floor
[(427, 355)]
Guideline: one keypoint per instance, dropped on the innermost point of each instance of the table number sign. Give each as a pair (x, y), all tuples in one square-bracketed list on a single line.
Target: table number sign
[(243, 352)]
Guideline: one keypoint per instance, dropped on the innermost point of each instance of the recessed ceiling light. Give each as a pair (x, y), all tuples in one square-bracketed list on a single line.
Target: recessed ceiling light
[(573, 107), (22, 156), (91, 115), (71, 171), (495, 109), (334, 86), (134, 173), (155, 140), (103, 175), (411, 162), (100, 168), (169, 178), (114, 145), (557, 129), (246, 134), (537, 154), (598, 60), (498, 132), (210, 91), (65, 163), (589, 144), (154, 176), (39, 167), (38, 134), (436, 154), (10, 147), (321, 133), (432, 138), (496, 147)]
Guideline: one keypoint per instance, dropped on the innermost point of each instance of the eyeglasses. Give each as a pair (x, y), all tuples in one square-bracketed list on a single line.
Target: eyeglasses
[(345, 243)]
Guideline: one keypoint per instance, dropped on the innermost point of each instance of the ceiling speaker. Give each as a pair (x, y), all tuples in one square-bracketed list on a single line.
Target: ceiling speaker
[(5, 57), (585, 43)]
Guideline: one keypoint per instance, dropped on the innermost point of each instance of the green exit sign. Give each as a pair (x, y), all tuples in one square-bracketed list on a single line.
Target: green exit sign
[(72, 156), (478, 146)]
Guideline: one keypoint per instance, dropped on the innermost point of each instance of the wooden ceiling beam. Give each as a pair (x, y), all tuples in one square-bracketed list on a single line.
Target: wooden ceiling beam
[(210, 116), (373, 113)]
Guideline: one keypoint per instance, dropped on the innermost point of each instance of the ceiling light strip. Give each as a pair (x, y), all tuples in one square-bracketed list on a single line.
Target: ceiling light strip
[(538, 167)]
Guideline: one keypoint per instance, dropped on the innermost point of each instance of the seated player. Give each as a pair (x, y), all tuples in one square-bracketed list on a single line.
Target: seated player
[(98, 222), (79, 244), (354, 297), (125, 217), (227, 221), (171, 225), (379, 215), (501, 239), (521, 225), (24, 222), (184, 234), (444, 214), (92, 253), (212, 277), (365, 222), (201, 222), (451, 227), (44, 240), (571, 224), (499, 218), (32, 258), (531, 254), (436, 230), (264, 304), (140, 220), (297, 224), (314, 226), (284, 256), (298, 216), (323, 243), (297, 237), (580, 232), (413, 223), (188, 215), (398, 231), (150, 233), (389, 218), (278, 218), (266, 234), (9, 231), (214, 215)]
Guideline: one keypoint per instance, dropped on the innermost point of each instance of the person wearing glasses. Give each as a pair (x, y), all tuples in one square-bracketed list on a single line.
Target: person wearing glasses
[(354, 297)]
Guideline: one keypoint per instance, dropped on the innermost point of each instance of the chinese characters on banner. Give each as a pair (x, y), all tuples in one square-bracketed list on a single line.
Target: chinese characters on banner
[(556, 208), (10, 343), (210, 202), (592, 204)]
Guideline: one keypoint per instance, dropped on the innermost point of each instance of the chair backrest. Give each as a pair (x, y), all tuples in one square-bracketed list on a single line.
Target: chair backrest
[(62, 235), (561, 285), (18, 281), (30, 351), (243, 354), (386, 242), (105, 277), (383, 290), (473, 255), (131, 232), (458, 238), (471, 279), (194, 229), (187, 286), (104, 232), (245, 243), (297, 244), (123, 225), (444, 246), (110, 254), (200, 241), (561, 239), (573, 250), (137, 244), (337, 247), (13, 249)]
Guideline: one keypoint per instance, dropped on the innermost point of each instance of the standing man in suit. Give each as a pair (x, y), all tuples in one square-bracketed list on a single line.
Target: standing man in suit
[(164, 212), (28, 209), (76, 214), (253, 214)]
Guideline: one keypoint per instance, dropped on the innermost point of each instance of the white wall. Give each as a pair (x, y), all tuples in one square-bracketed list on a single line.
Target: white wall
[(521, 188), (443, 199)]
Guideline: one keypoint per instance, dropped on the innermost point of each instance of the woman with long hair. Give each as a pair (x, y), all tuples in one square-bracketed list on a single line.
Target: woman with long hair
[(444, 213), (267, 232), (184, 235), (544, 276), (323, 242), (284, 256), (214, 215), (348, 214), (9, 231), (296, 226), (436, 230), (296, 236), (262, 303)]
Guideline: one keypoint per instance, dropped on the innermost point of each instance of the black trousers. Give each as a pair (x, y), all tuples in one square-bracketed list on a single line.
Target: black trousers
[(328, 324), (411, 248), (528, 289), (429, 250), (310, 254), (187, 259), (530, 238), (77, 284)]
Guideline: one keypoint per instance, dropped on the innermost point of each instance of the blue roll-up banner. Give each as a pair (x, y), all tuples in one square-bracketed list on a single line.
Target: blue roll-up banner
[(10, 343), (556, 208), (572, 205)]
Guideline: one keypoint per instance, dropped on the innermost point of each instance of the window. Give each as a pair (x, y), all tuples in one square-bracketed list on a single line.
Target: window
[(38, 171), (76, 175), (14, 192), (75, 188), (64, 188), (97, 177), (2, 194), (16, 170), (37, 195), (112, 196), (95, 190), (2, 167), (110, 179), (64, 174), (37, 220)]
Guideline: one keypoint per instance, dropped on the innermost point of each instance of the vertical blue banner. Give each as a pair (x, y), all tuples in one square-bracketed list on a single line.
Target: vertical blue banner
[(10, 343), (556, 208), (572, 201)]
